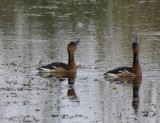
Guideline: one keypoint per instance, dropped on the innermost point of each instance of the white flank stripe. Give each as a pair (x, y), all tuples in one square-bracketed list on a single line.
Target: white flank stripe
[(111, 75), (46, 70)]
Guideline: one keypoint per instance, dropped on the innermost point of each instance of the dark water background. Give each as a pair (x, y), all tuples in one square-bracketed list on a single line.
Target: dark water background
[(31, 31)]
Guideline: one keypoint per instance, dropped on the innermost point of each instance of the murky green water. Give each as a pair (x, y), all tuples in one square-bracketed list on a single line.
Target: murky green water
[(31, 31)]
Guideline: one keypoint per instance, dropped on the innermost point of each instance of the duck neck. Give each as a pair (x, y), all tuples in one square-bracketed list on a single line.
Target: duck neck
[(71, 59), (135, 59)]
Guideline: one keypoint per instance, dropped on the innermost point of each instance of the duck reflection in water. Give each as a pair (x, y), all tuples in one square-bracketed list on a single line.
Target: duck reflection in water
[(71, 81), (135, 101), (71, 91)]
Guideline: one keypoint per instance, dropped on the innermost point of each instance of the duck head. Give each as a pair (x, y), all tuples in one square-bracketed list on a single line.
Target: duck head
[(71, 47)]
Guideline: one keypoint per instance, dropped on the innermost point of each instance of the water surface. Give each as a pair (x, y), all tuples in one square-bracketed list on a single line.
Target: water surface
[(33, 31)]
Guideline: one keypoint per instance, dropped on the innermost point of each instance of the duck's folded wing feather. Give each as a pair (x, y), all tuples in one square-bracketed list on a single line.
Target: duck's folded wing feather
[(53, 66), (56, 65), (120, 70)]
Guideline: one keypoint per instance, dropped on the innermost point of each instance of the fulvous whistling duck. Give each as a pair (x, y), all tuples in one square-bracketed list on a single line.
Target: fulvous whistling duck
[(127, 72), (62, 68)]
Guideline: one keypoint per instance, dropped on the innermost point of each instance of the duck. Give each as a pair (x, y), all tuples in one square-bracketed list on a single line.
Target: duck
[(60, 68), (127, 72)]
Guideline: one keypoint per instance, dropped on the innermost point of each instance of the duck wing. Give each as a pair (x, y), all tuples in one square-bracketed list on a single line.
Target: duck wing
[(53, 66), (56, 65), (120, 72), (120, 69)]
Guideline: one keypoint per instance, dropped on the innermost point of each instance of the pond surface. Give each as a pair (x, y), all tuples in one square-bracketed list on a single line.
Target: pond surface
[(34, 31)]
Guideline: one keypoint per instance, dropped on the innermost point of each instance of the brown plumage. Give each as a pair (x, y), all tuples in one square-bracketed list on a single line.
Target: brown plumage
[(127, 72), (62, 68)]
